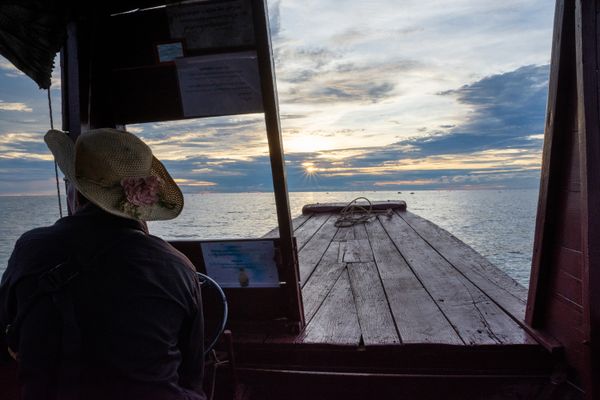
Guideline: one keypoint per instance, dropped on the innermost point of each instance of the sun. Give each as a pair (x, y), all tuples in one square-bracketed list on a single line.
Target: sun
[(310, 169)]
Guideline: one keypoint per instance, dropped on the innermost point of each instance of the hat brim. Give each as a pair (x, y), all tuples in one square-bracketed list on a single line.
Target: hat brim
[(112, 199)]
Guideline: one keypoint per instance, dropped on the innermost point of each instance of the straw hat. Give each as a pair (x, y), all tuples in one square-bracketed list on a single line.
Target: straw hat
[(116, 171)]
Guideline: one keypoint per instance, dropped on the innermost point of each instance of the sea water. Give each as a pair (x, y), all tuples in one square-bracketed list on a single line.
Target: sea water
[(499, 224)]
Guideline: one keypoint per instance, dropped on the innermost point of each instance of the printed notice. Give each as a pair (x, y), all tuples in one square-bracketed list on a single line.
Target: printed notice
[(169, 51), (241, 264), (223, 84), (210, 25)]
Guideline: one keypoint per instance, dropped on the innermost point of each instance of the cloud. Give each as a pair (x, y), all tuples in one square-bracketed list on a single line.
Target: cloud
[(235, 137), (11, 70), (4, 106), (23, 145), (507, 110), (505, 154), (194, 183), (274, 17), (354, 37), (329, 82)]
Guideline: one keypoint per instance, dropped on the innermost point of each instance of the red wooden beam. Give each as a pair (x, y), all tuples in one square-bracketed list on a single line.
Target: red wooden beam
[(588, 63)]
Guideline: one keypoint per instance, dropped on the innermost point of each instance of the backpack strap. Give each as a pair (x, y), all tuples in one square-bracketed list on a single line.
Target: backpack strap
[(49, 282)]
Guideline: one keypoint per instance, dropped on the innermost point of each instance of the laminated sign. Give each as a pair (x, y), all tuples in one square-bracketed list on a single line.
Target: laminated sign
[(212, 25), (220, 84)]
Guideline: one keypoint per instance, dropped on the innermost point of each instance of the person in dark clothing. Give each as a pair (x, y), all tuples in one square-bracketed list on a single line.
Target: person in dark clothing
[(129, 324)]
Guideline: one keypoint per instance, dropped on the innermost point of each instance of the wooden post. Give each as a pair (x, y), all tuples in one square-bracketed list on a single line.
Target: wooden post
[(69, 59), (100, 112), (564, 291), (538, 282), (270, 104), (588, 64), (70, 88)]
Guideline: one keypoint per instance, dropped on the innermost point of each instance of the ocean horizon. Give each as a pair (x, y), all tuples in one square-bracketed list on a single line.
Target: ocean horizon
[(497, 223)]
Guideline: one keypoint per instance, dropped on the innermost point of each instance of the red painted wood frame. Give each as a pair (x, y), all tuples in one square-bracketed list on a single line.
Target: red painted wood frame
[(564, 295)]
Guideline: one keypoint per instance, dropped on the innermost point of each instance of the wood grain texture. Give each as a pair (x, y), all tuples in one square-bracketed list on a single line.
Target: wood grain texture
[(558, 104), (376, 321), (321, 281), (312, 252), (502, 289), (416, 314), (336, 322), (354, 245), (355, 251), (307, 230), (344, 233), (569, 260), (296, 223), (476, 318), (567, 286), (589, 120)]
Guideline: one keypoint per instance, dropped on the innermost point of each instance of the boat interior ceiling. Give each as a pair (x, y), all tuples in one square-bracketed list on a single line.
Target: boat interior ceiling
[(136, 77)]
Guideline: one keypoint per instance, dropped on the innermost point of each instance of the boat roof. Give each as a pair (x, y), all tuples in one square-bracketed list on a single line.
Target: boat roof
[(33, 32)]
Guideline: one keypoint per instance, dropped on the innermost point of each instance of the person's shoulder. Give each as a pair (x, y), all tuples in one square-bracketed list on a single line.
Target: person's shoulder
[(165, 252), (40, 233), (37, 249), (174, 253)]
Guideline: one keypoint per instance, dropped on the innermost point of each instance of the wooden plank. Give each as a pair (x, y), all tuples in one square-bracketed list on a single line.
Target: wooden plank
[(418, 318), (337, 207), (569, 221), (557, 122), (476, 318), (344, 233), (360, 231), (307, 230), (567, 325), (501, 288), (355, 251), (569, 260), (70, 82), (336, 322), (427, 358), (376, 322), (568, 286), (294, 384), (354, 244), (296, 223), (321, 281), (310, 255), (588, 83)]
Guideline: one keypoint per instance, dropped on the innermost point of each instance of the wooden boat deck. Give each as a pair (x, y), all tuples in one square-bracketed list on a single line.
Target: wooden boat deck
[(400, 279), (396, 308)]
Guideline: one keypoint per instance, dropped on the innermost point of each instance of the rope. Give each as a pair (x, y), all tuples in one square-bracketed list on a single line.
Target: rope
[(55, 165), (355, 213)]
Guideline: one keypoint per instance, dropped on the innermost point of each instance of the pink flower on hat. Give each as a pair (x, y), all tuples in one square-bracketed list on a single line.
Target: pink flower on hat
[(142, 191)]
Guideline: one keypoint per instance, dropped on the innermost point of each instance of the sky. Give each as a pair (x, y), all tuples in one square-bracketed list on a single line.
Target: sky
[(373, 95)]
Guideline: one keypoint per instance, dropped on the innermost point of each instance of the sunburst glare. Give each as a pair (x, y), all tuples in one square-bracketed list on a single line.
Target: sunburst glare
[(310, 169)]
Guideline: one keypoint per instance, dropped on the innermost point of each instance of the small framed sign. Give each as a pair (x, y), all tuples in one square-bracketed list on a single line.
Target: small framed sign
[(241, 264), (168, 52)]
